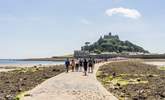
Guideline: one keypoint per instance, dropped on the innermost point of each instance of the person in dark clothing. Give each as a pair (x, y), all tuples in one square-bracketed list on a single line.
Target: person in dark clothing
[(85, 63), (67, 64), (77, 65), (80, 65), (90, 68), (94, 61)]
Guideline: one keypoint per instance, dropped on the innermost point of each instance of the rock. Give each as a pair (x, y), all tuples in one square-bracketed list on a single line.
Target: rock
[(118, 84), (141, 91), (37, 69), (120, 87), (122, 95), (138, 80), (1, 92), (20, 79), (116, 87), (56, 70), (9, 97), (13, 91), (162, 95), (19, 90), (150, 75), (135, 98), (25, 78), (124, 91), (26, 95), (7, 82), (45, 76), (35, 66), (113, 74), (23, 84)]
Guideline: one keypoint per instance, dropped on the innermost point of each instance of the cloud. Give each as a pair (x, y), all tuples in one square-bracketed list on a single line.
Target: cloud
[(85, 21), (126, 12)]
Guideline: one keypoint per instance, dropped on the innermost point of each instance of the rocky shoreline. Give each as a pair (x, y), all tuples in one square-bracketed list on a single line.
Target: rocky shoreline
[(133, 80), (20, 80)]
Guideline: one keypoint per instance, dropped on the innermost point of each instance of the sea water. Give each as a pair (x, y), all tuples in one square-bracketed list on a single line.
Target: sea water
[(18, 62)]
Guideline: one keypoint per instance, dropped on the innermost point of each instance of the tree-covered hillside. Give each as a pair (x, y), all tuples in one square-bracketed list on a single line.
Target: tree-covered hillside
[(112, 43)]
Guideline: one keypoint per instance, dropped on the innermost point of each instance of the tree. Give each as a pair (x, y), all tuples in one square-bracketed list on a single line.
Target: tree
[(86, 47), (87, 43), (112, 43)]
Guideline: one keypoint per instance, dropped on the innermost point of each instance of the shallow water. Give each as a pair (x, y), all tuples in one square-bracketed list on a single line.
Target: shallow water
[(19, 62)]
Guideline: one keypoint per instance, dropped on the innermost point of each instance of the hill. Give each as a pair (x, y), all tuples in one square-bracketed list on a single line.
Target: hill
[(112, 43)]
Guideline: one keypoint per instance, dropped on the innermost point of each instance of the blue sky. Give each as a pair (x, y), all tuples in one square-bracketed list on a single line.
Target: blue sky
[(44, 28)]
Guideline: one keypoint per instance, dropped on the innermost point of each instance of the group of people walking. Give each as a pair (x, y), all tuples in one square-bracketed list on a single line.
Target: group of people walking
[(80, 65)]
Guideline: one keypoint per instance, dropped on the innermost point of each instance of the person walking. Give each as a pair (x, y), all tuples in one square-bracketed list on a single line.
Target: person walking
[(77, 65), (73, 65), (90, 67), (93, 64), (67, 64), (80, 65), (85, 63)]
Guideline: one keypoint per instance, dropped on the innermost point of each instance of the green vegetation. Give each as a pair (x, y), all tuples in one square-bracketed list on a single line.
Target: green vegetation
[(121, 81), (162, 68), (19, 96), (112, 43)]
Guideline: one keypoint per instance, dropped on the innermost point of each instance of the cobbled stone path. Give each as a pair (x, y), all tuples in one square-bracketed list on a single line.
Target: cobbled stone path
[(71, 86)]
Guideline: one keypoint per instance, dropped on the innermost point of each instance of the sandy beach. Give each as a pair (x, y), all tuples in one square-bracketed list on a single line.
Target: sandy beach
[(6, 70)]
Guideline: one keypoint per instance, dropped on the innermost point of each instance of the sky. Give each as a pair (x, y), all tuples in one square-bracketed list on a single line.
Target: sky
[(45, 28)]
